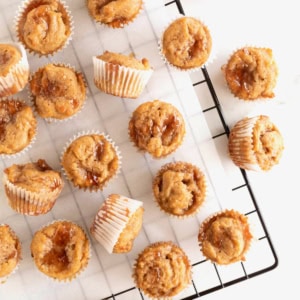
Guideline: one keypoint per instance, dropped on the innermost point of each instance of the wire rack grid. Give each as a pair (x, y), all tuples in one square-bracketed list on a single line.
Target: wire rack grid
[(110, 276)]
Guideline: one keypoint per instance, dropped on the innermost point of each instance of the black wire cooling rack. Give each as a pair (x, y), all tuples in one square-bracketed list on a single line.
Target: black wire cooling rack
[(267, 252)]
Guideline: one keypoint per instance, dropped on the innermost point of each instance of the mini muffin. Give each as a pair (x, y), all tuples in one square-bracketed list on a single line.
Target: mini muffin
[(90, 161), (44, 26), (58, 91), (60, 250), (251, 73), (32, 188), (115, 14), (157, 127), (162, 270), (179, 189), (255, 143), (121, 75), (117, 223), (14, 69), (10, 251), (225, 237), (186, 43), (18, 126)]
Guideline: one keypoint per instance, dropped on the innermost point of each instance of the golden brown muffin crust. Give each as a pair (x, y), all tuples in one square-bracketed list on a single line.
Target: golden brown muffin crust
[(125, 60), (90, 161), (58, 91), (9, 57), (44, 26), (60, 250), (17, 126), (251, 73), (157, 127), (225, 237), (179, 188), (130, 232), (115, 13), (10, 250), (186, 43), (36, 177), (162, 270)]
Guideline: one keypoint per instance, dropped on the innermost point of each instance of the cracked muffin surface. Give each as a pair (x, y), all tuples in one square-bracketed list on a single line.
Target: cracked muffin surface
[(58, 91), (17, 126), (114, 13), (251, 73), (44, 26), (186, 43), (90, 161), (162, 270), (157, 127), (179, 188), (60, 250), (225, 237)]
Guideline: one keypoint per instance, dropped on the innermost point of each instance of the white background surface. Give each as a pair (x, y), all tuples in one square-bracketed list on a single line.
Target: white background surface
[(274, 24)]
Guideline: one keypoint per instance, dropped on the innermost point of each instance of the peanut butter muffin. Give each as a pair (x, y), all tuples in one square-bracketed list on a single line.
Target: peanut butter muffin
[(44, 26), (58, 91), (121, 75), (90, 160), (18, 126), (251, 73), (179, 189), (186, 43), (255, 143), (60, 250), (162, 270), (114, 13), (14, 69), (10, 251), (117, 223), (225, 237), (157, 127), (32, 188)]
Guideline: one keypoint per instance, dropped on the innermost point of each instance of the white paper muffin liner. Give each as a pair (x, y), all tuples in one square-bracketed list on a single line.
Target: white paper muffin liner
[(18, 75), (19, 15), (3, 279), (225, 84), (31, 143), (118, 154), (56, 120), (249, 241), (77, 274), (112, 218), (119, 80), (212, 54), (112, 26), (28, 202), (187, 214)]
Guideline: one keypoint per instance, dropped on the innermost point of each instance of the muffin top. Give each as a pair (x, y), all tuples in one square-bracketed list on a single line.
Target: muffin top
[(125, 60), (10, 250), (162, 270), (9, 57), (117, 223), (179, 188), (114, 13), (225, 237), (251, 73), (157, 127), (186, 43), (17, 126), (37, 177), (44, 26), (58, 91), (90, 161), (60, 250)]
